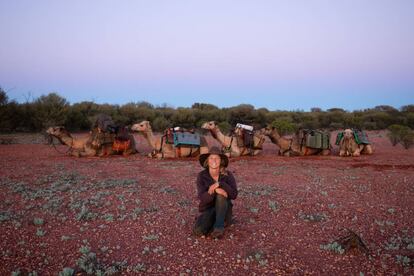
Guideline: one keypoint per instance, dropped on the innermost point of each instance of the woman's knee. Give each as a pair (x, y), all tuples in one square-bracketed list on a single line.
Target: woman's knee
[(220, 198), (221, 201)]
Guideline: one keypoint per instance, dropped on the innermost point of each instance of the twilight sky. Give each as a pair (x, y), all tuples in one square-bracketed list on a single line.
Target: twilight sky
[(284, 55)]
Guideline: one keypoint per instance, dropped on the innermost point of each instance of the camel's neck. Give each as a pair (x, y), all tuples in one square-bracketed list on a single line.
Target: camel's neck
[(274, 137), (150, 138), (219, 136), (67, 140), (277, 139)]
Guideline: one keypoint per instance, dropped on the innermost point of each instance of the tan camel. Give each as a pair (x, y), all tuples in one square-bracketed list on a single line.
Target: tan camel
[(162, 149), (233, 146), (291, 146), (89, 145), (349, 147)]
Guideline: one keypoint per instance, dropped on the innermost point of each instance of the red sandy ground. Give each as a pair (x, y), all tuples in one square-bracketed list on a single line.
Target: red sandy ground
[(371, 195)]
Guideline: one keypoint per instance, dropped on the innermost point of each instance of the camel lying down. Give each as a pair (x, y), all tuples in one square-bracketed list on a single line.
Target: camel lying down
[(349, 146), (294, 146), (161, 148), (233, 146), (96, 143)]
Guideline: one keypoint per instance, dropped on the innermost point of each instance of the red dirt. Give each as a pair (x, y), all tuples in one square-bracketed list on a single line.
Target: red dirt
[(142, 210)]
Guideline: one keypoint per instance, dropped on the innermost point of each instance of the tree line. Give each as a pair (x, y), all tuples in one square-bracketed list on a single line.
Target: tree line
[(53, 109)]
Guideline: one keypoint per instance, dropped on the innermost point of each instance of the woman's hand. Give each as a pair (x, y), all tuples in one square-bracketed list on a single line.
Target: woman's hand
[(222, 192), (212, 188)]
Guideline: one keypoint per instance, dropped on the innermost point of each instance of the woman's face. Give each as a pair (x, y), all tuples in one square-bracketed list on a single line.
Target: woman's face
[(214, 161)]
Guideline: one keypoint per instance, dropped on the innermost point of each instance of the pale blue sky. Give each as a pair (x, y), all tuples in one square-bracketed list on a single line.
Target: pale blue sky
[(277, 54)]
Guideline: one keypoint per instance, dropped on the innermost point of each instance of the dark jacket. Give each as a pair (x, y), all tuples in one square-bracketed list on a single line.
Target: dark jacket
[(204, 180)]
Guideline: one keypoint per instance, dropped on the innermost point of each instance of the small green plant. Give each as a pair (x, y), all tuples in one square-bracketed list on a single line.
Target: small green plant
[(334, 246), (273, 205), (38, 221), (404, 260), (4, 216), (258, 256), (312, 217), (85, 214), (150, 237), (139, 268), (159, 249), (184, 203), (40, 232), (67, 271), (168, 190), (108, 217), (146, 250)]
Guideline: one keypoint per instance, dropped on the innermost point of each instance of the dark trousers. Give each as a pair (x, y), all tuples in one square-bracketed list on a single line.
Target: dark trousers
[(216, 216)]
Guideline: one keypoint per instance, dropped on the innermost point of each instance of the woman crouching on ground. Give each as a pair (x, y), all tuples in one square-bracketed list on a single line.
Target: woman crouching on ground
[(216, 187)]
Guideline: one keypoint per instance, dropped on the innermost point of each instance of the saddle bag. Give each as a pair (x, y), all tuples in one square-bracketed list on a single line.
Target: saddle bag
[(339, 137), (186, 139), (248, 138), (120, 145), (360, 137), (317, 139)]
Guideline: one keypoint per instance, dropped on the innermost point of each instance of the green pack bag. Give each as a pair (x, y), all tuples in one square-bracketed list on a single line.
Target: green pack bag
[(339, 137), (317, 139), (360, 137), (186, 139)]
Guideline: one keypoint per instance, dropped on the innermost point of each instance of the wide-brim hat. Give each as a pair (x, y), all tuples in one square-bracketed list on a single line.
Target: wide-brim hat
[(214, 150)]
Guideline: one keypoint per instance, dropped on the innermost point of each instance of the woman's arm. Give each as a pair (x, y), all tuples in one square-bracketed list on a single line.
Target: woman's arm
[(202, 191), (229, 185)]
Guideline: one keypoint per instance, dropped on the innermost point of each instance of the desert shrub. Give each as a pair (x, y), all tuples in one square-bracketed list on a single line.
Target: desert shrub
[(225, 127), (184, 117), (401, 134), (407, 139), (243, 113), (394, 134), (284, 127), (160, 124), (50, 110), (307, 120), (133, 112)]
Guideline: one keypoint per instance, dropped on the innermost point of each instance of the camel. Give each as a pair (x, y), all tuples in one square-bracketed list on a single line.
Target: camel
[(348, 146), (233, 146), (292, 146), (162, 149), (91, 145)]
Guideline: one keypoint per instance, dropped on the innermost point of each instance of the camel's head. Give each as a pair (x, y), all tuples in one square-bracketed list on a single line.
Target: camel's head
[(209, 125), (144, 126), (266, 130), (57, 131), (348, 134)]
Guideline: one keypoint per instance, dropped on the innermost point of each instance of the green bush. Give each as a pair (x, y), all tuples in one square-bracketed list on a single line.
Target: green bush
[(52, 109), (394, 134), (225, 127), (284, 127), (407, 139), (401, 134)]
